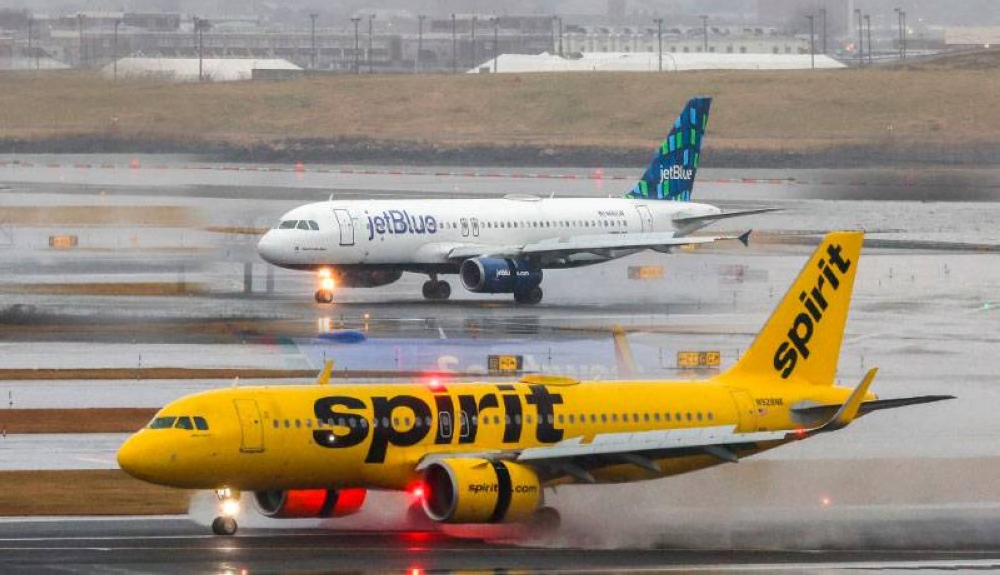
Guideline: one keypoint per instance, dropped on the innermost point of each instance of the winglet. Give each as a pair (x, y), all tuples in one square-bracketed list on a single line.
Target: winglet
[(847, 412), (745, 238), (324, 376)]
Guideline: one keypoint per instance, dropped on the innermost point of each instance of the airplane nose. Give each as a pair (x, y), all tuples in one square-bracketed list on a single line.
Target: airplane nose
[(130, 457), (267, 248)]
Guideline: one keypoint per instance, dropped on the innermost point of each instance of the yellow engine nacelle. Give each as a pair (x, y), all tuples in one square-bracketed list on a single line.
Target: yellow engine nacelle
[(480, 491)]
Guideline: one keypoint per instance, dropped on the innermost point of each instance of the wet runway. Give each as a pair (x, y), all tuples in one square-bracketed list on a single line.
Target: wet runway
[(167, 545), (909, 480)]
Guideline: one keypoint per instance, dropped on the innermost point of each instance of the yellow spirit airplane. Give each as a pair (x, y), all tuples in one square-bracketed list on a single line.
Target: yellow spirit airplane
[(484, 452)]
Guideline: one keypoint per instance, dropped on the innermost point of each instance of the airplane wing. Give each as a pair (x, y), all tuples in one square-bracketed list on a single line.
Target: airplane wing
[(602, 244), (577, 456)]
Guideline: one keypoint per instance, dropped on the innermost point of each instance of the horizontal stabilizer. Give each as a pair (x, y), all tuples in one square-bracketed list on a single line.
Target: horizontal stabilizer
[(700, 221), (875, 405)]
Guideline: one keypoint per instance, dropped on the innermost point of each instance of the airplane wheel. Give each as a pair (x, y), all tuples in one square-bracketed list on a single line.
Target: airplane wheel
[(324, 296), (429, 289), (436, 290), (531, 297), (443, 290), (545, 522), (224, 526)]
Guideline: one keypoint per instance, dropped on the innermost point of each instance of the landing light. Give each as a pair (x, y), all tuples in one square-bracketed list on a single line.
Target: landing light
[(324, 273), (327, 283), (230, 507)]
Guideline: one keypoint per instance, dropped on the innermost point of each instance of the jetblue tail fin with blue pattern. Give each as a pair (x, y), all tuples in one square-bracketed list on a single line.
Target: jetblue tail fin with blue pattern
[(671, 174)]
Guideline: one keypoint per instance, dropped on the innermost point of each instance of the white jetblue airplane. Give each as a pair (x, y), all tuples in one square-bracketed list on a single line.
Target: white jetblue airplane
[(499, 245)]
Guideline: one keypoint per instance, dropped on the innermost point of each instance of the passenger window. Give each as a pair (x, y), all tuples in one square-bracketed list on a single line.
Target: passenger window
[(287, 224), (689, 416), (309, 424), (200, 423), (614, 417), (276, 424), (699, 416), (710, 416), (287, 424), (303, 225), (550, 418), (298, 424), (656, 416), (593, 418), (604, 418), (561, 418), (183, 423), (517, 419), (162, 423)]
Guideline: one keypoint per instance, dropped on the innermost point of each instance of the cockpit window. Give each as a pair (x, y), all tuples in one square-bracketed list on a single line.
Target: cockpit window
[(303, 225), (313, 225), (162, 423), (183, 423), (200, 423), (288, 224)]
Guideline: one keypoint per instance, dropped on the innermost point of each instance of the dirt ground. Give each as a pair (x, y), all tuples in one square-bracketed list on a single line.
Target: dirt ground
[(104, 492)]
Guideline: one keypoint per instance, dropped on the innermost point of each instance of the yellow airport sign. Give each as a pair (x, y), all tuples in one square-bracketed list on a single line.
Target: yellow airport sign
[(645, 272), (687, 359), (505, 364), (63, 242)]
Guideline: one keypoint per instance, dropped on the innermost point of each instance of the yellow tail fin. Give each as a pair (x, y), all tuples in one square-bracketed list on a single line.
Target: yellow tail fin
[(801, 340)]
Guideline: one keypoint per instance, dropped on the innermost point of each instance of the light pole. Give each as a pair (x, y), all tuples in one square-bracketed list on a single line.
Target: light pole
[(29, 42), (79, 22), (114, 59), (899, 20), (496, 48), (371, 66), (822, 14), (659, 41), (704, 27), (357, 63), (868, 23), (560, 38), (312, 33), (200, 25), (454, 45), (420, 42), (553, 32), (473, 37), (861, 37), (903, 31), (812, 43)]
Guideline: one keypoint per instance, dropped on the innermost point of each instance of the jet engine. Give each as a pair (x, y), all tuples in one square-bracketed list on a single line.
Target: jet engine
[(480, 491), (498, 275), (305, 503)]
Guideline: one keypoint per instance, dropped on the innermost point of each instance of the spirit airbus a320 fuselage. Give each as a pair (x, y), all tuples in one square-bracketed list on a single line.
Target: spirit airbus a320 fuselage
[(499, 245), (483, 453)]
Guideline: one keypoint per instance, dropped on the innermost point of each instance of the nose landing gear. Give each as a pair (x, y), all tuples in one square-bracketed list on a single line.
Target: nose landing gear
[(229, 505), (326, 284), (436, 290)]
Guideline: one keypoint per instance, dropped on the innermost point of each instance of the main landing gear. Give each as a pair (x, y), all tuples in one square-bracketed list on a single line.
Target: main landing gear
[(229, 506), (435, 289), (544, 523)]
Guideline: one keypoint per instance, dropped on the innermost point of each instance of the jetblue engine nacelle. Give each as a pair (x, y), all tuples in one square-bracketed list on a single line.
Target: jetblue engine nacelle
[(499, 275)]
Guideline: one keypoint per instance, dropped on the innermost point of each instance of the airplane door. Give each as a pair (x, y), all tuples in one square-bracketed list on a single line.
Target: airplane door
[(747, 411), (645, 218), (346, 225), (465, 227), (251, 426), (475, 226)]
